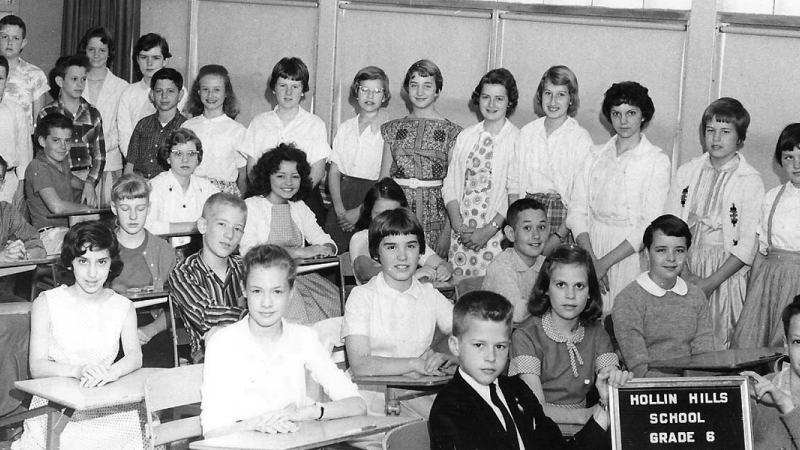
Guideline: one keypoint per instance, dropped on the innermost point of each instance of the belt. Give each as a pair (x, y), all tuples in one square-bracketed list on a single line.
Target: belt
[(43, 229), (414, 183)]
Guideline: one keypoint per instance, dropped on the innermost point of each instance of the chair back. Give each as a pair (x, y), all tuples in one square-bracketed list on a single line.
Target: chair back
[(469, 284), (608, 324), (411, 436), (346, 271), (172, 388)]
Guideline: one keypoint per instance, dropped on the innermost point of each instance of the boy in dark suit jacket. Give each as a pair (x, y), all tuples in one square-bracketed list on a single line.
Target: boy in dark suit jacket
[(480, 409)]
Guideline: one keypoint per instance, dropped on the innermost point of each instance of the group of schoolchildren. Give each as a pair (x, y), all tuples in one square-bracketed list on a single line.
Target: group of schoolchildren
[(556, 225)]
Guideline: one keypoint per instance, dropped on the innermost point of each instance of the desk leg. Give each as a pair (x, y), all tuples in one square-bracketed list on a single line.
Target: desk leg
[(56, 421), (392, 402)]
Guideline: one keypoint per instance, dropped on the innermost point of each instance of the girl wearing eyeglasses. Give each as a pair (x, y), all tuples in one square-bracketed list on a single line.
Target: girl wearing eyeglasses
[(355, 163)]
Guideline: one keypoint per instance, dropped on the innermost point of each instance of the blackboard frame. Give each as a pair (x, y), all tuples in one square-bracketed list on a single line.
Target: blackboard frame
[(680, 384)]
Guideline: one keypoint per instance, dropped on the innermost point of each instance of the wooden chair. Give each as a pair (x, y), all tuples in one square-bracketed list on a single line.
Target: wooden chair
[(608, 324), (412, 436), (346, 271), (179, 335), (469, 284), (168, 389)]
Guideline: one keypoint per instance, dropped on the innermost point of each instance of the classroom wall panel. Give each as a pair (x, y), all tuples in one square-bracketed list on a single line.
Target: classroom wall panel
[(394, 39), (169, 18), (761, 72), (249, 38), (599, 56)]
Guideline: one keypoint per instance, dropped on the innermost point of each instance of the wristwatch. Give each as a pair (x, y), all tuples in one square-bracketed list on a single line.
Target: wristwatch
[(494, 224)]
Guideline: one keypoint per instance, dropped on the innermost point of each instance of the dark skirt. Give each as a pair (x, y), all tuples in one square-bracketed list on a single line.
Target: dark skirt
[(353, 191)]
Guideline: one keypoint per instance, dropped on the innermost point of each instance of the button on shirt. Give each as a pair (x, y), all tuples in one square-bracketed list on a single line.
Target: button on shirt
[(147, 138), (483, 391), (169, 204), (357, 154), (135, 105), (306, 130), (222, 138)]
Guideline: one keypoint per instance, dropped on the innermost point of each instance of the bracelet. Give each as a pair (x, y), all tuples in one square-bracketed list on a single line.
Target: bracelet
[(560, 238)]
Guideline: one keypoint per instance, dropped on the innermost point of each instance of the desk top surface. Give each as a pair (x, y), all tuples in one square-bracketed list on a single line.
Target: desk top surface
[(29, 262), (401, 380), (312, 434), (314, 261), (88, 212), (723, 360), (66, 391)]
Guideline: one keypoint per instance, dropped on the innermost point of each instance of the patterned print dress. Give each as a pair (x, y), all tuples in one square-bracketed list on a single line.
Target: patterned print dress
[(474, 205), (420, 149)]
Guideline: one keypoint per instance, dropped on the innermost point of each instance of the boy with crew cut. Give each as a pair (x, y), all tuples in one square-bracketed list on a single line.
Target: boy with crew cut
[(50, 186), (67, 82), (151, 132), (17, 148), (27, 83), (208, 287), (513, 272), (480, 409)]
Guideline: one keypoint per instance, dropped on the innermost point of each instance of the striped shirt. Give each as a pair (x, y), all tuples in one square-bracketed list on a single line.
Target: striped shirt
[(87, 132), (203, 300)]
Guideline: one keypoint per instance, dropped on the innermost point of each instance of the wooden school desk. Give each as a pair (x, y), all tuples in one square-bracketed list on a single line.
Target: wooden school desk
[(24, 265), (65, 396), (312, 434), (313, 264), (724, 361), (424, 385), (82, 216)]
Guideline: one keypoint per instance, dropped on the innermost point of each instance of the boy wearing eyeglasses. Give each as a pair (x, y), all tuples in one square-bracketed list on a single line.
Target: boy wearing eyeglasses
[(166, 91)]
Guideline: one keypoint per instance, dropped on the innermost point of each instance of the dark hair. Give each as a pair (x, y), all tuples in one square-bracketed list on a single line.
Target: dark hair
[(520, 205), (145, 43), (270, 163), (565, 255), (167, 73), (397, 222), (12, 20), (269, 255), (481, 305), (560, 76), (424, 68), (670, 226), (50, 121), (387, 189), (502, 77), (104, 36), (791, 310), (290, 68), (60, 70), (727, 110), (180, 136), (4, 63), (630, 93), (231, 104), (3, 165), (91, 235), (788, 141), (223, 198), (371, 73)]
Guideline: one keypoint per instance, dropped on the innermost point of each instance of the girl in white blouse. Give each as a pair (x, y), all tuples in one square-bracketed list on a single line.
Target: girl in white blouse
[(255, 370)]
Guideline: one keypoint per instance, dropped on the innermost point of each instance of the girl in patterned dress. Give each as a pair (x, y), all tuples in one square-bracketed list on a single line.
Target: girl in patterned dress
[(76, 332), (417, 150), (544, 166), (474, 190), (562, 346), (719, 195), (620, 189)]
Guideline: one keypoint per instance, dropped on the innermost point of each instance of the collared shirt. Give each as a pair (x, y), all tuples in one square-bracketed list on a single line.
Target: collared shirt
[(147, 139), (17, 147), (306, 130), (107, 103), (169, 204), (359, 246), (509, 276), (222, 138), (203, 299), (358, 154), (25, 84), (13, 227), (135, 105), (87, 132), (398, 324), (264, 381), (548, 164), (650, 286), (42, 174), (785, 221), (483, 392)]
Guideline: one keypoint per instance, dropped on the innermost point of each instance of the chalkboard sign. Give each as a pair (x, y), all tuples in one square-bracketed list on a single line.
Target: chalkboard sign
[(703, 413)]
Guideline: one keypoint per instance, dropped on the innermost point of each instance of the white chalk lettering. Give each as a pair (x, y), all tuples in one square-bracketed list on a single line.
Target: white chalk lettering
[(679, 437), (708, 397), (654, 399), (681, 417)]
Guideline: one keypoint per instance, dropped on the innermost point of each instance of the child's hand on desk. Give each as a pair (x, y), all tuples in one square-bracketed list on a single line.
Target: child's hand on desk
[(14, 251), (444, 271), (313, 251), (281, 421), (425, 274), (434, 363), (97, 375), (89, 197)]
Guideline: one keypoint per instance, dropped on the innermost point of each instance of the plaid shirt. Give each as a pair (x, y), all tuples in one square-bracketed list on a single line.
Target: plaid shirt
[(87, 133), (147, 138)]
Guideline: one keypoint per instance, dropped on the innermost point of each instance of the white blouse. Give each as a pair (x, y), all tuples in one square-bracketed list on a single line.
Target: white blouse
[(222, 139), (107, 103), (241, 381), (785, 222), (259, 223), (357, 154), (169, 204), (306, 130)]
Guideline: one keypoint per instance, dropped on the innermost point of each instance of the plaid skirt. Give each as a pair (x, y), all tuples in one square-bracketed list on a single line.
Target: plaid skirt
[(555, 210)]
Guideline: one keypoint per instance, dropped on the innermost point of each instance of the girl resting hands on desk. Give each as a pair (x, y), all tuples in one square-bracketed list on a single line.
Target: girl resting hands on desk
[(255, 370)]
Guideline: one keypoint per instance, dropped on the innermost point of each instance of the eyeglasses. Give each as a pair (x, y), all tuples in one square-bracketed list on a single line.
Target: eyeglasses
[(366, 90), (190, 154)]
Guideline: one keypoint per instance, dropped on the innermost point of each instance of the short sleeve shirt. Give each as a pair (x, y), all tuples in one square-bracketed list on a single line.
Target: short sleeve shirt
[(25, 84), (42, 174)]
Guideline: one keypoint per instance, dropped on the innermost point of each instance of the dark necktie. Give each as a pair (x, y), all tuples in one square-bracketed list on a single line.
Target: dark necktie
[(511, 430)]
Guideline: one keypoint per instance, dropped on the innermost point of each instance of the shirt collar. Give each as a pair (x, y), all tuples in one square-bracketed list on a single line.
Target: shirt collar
[(644, 280), (414, 291), (482, 390), (521, 266), (791, 189)]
